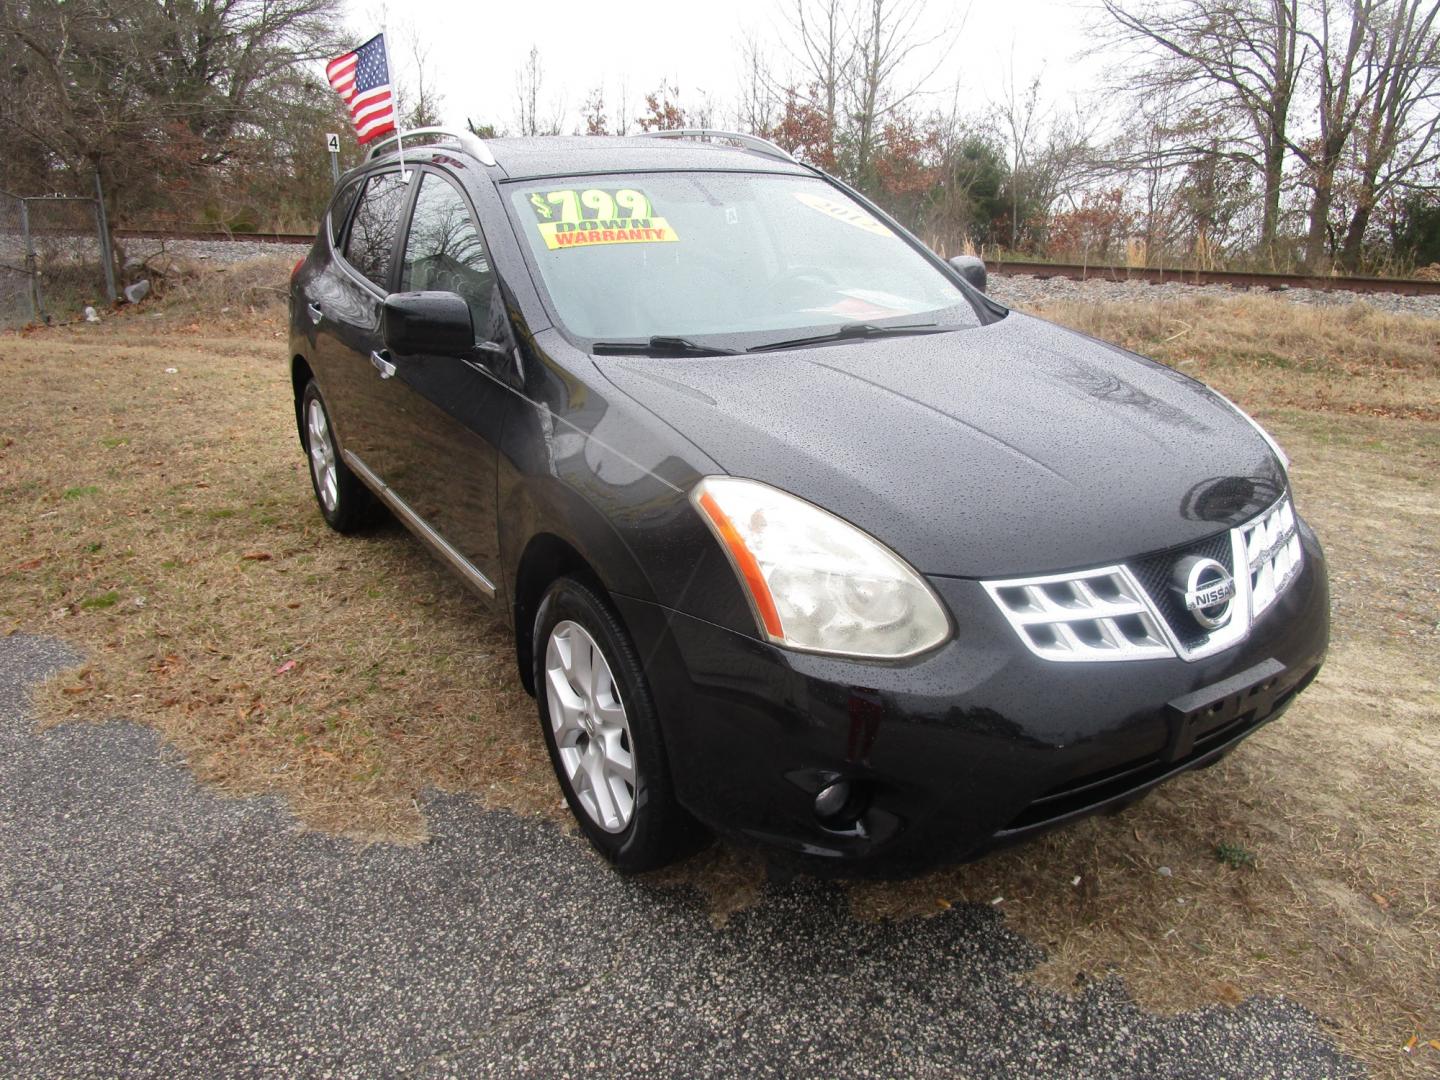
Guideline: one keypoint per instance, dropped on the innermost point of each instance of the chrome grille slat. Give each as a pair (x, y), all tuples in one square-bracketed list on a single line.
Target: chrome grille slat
[(1088, 627), (1273, 554), (1107, 614)]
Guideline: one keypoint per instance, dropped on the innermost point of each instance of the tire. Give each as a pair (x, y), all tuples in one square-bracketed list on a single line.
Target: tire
[(346, 504), (576, 633)]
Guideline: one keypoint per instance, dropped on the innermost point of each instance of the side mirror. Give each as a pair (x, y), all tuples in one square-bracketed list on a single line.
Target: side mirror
[(972, 269), (427, 324)]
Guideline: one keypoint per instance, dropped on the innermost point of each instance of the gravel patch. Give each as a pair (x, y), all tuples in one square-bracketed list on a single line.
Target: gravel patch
[(139, 248), (155, 928), (1024, 291)]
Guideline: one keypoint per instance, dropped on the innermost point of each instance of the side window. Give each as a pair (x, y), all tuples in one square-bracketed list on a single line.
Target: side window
[(340, 210), (372, 232), (444, 250)]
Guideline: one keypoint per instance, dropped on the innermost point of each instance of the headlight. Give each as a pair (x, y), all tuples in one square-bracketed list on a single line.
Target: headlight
[(816, 582), (1269, 439)]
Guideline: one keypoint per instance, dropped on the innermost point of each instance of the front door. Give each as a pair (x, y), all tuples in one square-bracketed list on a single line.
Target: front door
[(345, 302), (450, 409)]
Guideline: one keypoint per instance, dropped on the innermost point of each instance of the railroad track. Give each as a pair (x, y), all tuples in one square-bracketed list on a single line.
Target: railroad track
[(1002, 267), (1237, 278), (216, 236)]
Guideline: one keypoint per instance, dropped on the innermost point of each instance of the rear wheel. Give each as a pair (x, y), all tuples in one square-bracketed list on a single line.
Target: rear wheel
[(344, 501), (603, 733)]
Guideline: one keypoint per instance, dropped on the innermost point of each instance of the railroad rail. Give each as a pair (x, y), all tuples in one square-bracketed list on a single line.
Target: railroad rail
[(1003, 267)]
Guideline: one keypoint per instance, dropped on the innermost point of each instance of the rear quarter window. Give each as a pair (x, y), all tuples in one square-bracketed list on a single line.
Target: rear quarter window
[(340, 207), (370, 242)]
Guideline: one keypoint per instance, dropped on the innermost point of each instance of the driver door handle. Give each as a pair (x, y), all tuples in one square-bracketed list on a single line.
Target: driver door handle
[(382, 364), (313, 310)]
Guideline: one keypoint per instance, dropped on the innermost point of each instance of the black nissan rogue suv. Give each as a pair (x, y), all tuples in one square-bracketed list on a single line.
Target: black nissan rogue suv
[(805, 540)]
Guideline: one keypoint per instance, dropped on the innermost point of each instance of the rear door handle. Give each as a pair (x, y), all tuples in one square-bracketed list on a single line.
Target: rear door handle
[(382, 365), (313, 310)]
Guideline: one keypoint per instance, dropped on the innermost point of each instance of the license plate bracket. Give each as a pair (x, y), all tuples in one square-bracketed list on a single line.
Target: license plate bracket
[(1193, 716)]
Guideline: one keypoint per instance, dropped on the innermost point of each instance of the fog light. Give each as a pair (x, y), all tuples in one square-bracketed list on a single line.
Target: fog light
[(832, 800)]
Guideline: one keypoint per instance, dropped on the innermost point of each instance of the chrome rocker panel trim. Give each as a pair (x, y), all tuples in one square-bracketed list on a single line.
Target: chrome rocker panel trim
[(419, 526)]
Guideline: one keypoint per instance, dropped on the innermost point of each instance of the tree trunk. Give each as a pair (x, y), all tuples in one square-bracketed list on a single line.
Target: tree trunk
[(1274, 176), (1353, 246), (1318, 232)]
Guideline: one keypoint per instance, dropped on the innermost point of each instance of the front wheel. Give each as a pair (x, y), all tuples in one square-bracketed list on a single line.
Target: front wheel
[(603, 733)]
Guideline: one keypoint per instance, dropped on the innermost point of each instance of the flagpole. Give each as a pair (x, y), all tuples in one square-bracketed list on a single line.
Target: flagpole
[(395, 101)]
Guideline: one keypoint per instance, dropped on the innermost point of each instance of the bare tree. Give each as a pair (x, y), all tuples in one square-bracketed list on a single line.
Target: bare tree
[(419, 107), (528, 82), (622, 108), (1345, 83), (1245, 55), (759, 106), (1398, 137), (1019, 115), (1051, 155), (887, 36), (824, 30)]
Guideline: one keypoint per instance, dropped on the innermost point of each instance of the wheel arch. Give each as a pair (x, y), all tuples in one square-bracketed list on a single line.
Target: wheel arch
[(546, 557), (300, 375)]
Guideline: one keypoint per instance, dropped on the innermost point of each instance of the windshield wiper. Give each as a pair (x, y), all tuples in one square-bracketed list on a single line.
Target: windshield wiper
[(852, 330), (659, 345)]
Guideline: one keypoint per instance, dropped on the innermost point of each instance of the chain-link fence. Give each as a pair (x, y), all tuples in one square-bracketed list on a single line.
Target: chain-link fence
[(54, 258)]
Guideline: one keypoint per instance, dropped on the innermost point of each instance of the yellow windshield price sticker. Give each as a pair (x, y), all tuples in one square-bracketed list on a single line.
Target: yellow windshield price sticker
[(851, 215), (598, 216), (589, 233)]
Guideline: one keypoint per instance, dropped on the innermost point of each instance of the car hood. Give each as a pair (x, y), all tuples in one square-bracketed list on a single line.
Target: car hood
[(1014, 448)]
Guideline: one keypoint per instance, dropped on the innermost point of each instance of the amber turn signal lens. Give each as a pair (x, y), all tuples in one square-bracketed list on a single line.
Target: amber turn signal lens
[(745, 563)]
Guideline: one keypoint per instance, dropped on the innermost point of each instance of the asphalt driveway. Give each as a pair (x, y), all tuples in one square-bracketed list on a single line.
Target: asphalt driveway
[(151, 927)]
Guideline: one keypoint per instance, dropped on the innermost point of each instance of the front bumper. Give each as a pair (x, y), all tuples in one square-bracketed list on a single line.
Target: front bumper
[(978, 744)]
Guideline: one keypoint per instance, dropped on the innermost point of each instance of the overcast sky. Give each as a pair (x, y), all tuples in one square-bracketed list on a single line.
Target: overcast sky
[(475, 49)]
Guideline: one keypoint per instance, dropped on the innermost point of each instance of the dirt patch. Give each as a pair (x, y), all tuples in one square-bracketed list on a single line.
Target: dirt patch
[(162, 519)]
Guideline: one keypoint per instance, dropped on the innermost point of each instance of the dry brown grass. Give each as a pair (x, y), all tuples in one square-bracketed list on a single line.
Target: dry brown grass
[(164, 523)]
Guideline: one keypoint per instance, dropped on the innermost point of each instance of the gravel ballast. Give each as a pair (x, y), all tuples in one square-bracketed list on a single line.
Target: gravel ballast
[(1024, 291)]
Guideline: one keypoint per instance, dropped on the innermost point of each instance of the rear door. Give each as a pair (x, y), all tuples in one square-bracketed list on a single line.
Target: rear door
[(449, 413), (344, 303)]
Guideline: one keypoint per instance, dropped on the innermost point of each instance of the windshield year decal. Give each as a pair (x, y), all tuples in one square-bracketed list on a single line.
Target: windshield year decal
[(570, 218), (850, 215)]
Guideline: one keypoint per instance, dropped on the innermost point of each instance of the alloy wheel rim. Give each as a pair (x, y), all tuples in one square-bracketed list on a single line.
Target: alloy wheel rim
[(591, 727), (322, 456)]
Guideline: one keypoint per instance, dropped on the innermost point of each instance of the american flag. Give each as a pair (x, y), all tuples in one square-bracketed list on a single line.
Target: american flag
[(362, 78)]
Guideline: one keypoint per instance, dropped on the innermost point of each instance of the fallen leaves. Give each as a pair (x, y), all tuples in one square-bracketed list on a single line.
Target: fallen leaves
[(1229, 993)]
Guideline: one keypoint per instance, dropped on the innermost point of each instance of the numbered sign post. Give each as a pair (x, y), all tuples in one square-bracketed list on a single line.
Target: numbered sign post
[(332, 143)]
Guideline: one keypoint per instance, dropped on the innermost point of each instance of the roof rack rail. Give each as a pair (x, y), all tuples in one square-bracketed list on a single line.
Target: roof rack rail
[(750, 142), (470, 143)]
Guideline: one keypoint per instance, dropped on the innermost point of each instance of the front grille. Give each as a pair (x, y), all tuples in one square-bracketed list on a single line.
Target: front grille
[(1272, 550), (1093, 615), (1132, 612), (1153, 573)]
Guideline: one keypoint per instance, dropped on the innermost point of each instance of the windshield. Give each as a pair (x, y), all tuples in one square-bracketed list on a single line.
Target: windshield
[(697, 255)]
